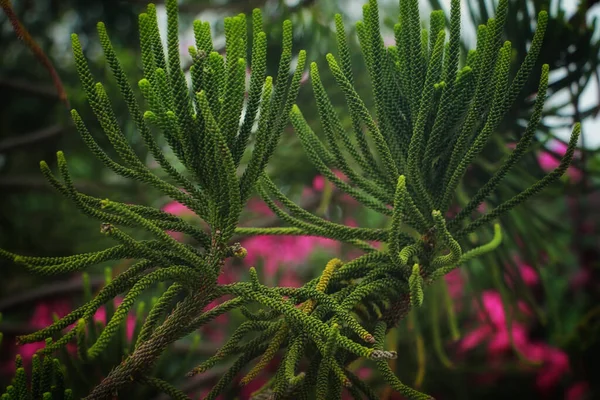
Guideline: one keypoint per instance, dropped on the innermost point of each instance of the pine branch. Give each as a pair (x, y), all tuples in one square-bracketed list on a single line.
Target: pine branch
[(405, 162)]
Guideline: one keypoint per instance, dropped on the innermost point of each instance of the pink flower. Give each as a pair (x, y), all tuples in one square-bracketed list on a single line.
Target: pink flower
[(290, 279), (276, 251), (496, 334), (482, 208), (100, 316), (578, 391), (555, 363), (290, 251), (351, 222), (500, 342), (528, 274), (43, 312), (258, 206), (474, 338), (41, 318), (318, 183), (319, 180), (455, 282), (176, 208), (548, 162)]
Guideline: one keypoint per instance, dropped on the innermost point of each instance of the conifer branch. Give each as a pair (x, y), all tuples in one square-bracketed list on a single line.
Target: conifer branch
[(431, 120)]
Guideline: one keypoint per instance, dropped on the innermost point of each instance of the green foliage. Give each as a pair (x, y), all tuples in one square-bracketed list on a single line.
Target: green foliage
[(432, 119), (47, 381)]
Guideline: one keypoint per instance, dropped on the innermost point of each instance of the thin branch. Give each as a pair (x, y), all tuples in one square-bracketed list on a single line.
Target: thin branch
[(28, 87), (27, 182), (20, 140), (56, 289), (24, 35)]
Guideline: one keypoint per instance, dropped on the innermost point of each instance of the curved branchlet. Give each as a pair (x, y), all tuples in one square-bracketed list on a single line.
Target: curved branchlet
[(431, 120)]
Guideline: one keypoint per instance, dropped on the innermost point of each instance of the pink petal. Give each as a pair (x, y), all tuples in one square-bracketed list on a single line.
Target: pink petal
[(175, 235), (474, 338), (351, 222), (500, 342), (492, 302), (43, 312), (455, 282), (528, 274), (340, 175), (547, 161), (559, 147), (577, 391), (176, 208), (318, 183), (259, 207), (482, 208), (290, 279)]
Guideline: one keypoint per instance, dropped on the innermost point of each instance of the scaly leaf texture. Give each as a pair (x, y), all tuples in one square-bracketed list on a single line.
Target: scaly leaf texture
[(432, 118)]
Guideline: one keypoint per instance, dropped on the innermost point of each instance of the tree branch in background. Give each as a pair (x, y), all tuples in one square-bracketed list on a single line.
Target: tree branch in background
[(56, 289), (20, 140), (29, 182), (24, 35), (28, 87)]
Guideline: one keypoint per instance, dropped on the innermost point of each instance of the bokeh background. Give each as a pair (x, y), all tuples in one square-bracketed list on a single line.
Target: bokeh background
[(523, 322)]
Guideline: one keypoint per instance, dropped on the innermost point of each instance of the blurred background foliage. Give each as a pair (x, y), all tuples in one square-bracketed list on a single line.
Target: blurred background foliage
[(556, 234)]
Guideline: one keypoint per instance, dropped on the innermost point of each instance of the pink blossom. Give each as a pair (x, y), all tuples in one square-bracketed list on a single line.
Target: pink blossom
[(351, 222), (318, 183), (482, 208), (100, 316), (555, 363), (492, 303), (43, 312), (496, 334), (500, 342), (258, 206), (548, 162), (290, 279), (176, 208), (43, 316), (290, 251), (455, 281), (528, 274), (578, 391), (474, 338), (452, 211), (319, 180)]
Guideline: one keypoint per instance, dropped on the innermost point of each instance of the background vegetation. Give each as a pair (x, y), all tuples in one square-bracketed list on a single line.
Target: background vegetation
[(549, 261)]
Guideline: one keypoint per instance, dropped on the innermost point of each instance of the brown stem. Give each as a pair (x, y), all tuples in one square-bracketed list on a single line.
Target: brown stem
[(145, 356), (24, 35), (198, 381)]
